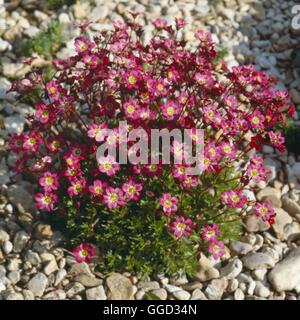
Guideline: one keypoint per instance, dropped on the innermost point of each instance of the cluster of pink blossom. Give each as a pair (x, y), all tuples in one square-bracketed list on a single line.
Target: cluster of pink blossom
[(114, 77)]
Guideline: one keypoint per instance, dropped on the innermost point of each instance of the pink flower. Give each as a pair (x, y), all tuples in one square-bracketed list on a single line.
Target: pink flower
[(32, 142), (113, 198), (234, 198), (108, 165), (170, 110), (132, 79), (83, 45), (179, 171), (190, 182), (277, 140), (49, 181), (131, 109), (98, 187), (132, 190), (84, 253), (265, 211), (54, 90), (54, 144), (42, 113), (71, 160), (168, 203), (216, 249), (181, 227), (256, 120), (77, 187), (203, 36), (46, 201), (228, 150), (210, 233), (98, 132), (16, 142)]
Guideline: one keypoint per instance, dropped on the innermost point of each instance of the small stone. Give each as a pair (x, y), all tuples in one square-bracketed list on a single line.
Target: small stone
[(120, 287), (28, 295), (290, 206), (285, 276), (14, 276), (259, 274), (198, 295), (7, 247), (73, 289), (232, 269), (160, 293), (258, 260), (55, 295), (20, 241), (261, 290), (88, 281), (38, 284), (240, 248), (80, 268), (50, 267), (181, 295), (215, 290), (99, 13), (255, 224), (251, 287), (282, 219), (147, 286), (61, 274), (4, 236), (232, 285), (239, 295), (97, 293), (64, 18), (205, 270), (271, 194), (14, 124), (13, 264), (32, 257), (43, 231), (15, 296)]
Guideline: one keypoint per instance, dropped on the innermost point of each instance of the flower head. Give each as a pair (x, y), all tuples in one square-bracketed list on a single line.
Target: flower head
[(181, 226), (84, 253)]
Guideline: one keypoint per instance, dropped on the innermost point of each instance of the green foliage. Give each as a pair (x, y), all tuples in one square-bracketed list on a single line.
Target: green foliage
[(57, 4), (292, 137), (136, 238), (46, 43), (221, 54)]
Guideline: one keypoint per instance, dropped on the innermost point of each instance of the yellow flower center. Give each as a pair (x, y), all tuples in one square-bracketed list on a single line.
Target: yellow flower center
[(107, 166), (49, 181), (132, 79), (130, 109), (113, 197), (132, 190), (170, 111), (181, 226)]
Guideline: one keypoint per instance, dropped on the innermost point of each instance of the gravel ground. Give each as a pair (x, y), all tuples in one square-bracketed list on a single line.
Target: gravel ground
[(263, 264)]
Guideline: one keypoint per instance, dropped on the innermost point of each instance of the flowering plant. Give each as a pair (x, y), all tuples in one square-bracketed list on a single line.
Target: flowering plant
[(148, 217)]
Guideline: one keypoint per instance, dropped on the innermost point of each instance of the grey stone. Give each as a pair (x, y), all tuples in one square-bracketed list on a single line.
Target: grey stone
[(181, 295), (258, 260), (239, 247), (286, 274), (97, 293), (215, 290), (38, 284), (232, 269), (119, 287), (20, 241)]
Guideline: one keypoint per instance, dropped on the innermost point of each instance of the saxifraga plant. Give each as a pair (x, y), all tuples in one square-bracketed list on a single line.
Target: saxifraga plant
[(148, 218)]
